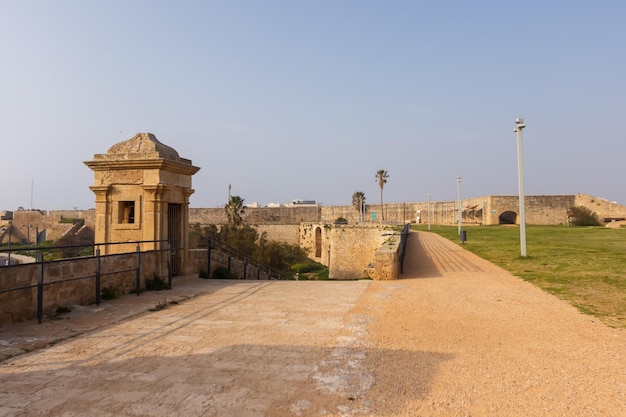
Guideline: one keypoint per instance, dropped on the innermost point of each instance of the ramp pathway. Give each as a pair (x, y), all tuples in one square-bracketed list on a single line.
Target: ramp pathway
[(456, 336)]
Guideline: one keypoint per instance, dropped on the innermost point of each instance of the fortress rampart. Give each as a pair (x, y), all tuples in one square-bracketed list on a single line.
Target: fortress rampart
[(282, 223)]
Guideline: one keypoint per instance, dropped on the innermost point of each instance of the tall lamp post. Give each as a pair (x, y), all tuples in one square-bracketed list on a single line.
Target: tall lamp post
[(519, 125), (458, 186), (428, 210)]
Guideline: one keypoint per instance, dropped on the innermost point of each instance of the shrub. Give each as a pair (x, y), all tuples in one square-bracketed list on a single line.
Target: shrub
[(63, 309), (582, 216), (223, 273), (156, 284), (108, 293), (307, 267)]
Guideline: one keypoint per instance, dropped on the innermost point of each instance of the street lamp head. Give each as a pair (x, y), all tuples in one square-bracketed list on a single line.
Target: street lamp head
[(519, 121), (519, 124)]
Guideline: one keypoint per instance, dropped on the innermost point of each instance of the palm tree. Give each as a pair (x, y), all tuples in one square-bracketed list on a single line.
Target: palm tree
[(358, 202), (381, 178), (234, 210)]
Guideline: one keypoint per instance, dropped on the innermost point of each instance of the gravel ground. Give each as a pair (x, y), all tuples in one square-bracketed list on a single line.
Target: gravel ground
[(456, 336), (461, 337)]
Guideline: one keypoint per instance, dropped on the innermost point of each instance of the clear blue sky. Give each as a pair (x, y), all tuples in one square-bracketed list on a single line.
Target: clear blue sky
[(308, 99)]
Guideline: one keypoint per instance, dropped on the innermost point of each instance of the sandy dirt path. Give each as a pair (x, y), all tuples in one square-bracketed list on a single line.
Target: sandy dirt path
[(456, 336), (463, 337)]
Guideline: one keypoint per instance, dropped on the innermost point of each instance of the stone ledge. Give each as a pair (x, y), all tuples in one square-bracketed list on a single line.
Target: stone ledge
[(386, 261)]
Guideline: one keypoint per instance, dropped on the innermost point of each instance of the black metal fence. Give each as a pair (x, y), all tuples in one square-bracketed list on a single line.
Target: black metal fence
[(213, 243), (18, 278), (403, 239)]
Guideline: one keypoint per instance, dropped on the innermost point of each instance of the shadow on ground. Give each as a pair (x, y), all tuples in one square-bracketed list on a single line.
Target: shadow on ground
[(241, 380)]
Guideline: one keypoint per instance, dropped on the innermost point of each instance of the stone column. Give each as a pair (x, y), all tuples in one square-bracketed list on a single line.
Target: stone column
[(103, 215)]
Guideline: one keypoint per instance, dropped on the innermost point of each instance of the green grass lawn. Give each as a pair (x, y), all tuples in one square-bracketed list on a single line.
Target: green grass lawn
[(585, 266)]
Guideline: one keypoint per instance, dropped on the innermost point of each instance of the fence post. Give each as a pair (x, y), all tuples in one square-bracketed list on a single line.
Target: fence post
[(138, 271), (98, 276), (258, 272), (245, 268), (208, 263), (229, 255), (40, 290), (169, 265)]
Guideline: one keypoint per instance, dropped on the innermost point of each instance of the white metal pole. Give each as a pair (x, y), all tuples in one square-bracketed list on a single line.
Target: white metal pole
[(520, 174), (458, 183), (428, 211)]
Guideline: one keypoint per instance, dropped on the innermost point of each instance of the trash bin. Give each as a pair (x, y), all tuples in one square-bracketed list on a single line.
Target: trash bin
[(463, 236)]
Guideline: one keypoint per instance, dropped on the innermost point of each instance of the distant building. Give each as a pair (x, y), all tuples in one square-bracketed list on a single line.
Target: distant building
[(301, 202)]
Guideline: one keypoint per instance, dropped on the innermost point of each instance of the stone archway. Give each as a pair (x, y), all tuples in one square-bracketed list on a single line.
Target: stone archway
[(508, 217), (318, 242)]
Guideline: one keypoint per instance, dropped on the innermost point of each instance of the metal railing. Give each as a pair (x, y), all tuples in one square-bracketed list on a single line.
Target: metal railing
[(403, 239), (97, 273), (215, 243)]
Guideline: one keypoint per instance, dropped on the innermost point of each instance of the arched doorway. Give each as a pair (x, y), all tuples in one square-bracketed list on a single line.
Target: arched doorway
[(318, 242), (508, 217)]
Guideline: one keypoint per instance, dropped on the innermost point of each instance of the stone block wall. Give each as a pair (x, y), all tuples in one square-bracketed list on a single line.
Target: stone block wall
[(397, 213), (386, 262), (198, 259), (258, 216), (288, 233), (605, 209), (352, 249), (117, 273), (48, 223), (346, 249)]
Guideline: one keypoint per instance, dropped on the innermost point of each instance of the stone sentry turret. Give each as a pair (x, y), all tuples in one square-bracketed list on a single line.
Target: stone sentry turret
[(142, 190)]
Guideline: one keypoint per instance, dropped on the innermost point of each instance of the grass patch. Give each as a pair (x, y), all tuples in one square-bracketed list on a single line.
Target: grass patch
[(582, 265), (310, 271)]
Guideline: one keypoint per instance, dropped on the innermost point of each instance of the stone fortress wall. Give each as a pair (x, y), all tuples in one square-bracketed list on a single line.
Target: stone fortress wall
[(51, 225), (351, 251), (283, 223), (347, 250), (487, 210)]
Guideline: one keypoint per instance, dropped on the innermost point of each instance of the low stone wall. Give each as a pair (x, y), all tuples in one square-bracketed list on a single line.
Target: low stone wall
[(386, 261), (347, 250), (70, 282), (73, 281), (241, 269)]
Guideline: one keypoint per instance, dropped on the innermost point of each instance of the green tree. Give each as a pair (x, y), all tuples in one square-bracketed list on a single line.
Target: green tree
[(358, 202), (243, 239), (381, 178), (234, 211), (198, 234)]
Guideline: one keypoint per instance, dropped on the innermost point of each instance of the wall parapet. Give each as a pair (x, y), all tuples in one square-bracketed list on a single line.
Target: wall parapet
[(387, 260), (64, 283)]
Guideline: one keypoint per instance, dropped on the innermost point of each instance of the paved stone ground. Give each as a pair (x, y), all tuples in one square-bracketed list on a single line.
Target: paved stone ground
[(456, 336)]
